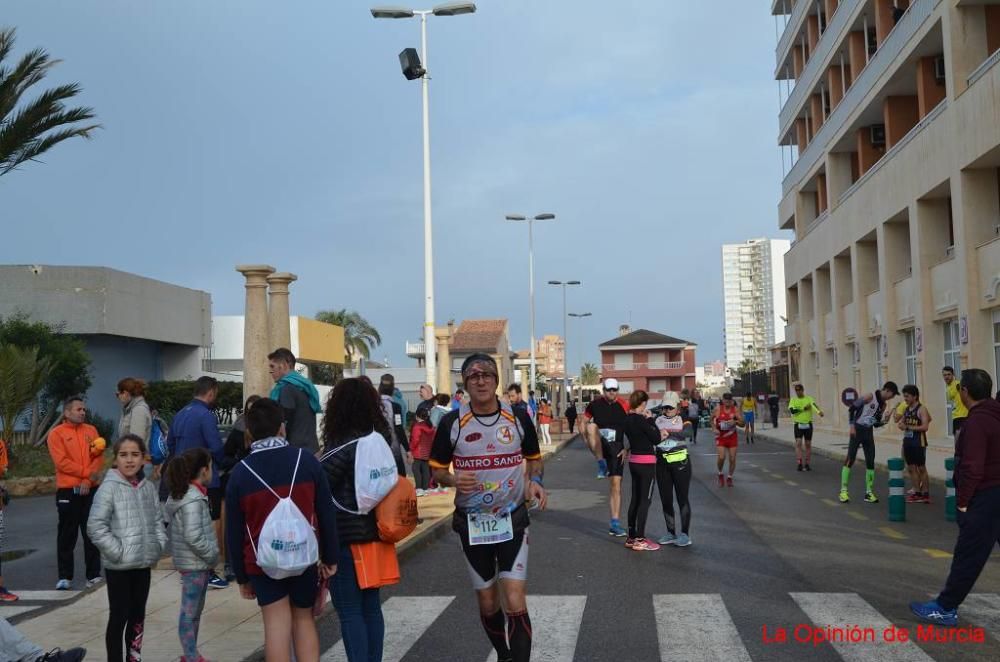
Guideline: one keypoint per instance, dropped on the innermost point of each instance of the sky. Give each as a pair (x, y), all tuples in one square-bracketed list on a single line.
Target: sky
[(243, 131)]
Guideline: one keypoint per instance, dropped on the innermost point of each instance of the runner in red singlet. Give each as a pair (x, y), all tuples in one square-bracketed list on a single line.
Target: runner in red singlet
[(725, 419)]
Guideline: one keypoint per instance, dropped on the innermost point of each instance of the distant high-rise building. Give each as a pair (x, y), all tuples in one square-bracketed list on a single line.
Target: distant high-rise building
[(553, 349), (753, 281)]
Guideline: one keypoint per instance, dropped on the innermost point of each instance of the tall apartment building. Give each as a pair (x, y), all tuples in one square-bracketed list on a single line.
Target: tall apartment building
[(891, 116), (553, 348), (753, 283)]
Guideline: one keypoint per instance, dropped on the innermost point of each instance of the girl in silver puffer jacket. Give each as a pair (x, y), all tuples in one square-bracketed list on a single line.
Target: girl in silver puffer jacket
[(125, 526), (192, 540)]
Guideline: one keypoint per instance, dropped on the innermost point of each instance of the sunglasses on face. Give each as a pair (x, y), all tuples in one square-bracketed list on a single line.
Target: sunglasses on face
[(611, 390)]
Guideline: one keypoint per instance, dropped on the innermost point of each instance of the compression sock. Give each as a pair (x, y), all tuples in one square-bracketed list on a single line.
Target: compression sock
[(870, 480), (495, 630), (845, 477), (519, 635), (602, 466)]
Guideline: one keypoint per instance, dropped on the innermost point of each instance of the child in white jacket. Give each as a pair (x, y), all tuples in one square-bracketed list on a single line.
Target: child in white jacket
[(192, 540), (125, 525)]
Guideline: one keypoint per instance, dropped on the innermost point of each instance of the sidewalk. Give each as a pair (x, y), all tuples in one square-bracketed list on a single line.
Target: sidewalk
[(231, 628), (833, 443)]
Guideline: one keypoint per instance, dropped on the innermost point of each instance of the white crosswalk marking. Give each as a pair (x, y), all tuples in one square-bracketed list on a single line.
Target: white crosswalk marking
[(840, 610), (406, 619), (47, 595), (555, 624), (983, 609), (697, 628)]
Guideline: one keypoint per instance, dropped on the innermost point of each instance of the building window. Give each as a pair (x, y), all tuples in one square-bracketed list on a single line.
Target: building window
[(952, 347), (910, 357), (879, 348), (816, 361), (656, 360), (657, 385), (834, 357), (625, 387), (996, 347), (623, 361)]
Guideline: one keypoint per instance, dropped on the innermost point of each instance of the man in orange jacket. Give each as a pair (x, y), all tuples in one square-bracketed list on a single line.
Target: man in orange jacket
[(78, 472)]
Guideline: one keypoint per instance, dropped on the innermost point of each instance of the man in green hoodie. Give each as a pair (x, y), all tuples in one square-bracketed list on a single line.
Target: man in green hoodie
[(298, 398)]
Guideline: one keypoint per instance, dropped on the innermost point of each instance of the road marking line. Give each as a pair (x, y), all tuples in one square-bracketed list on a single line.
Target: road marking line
[(48, 595), (778, 476), (829, 502), (983, 609), (753, 465), (937, 553), (697, 628), (792, 483), (809, 492), (406, 619), (857, 516), (555, 620), (843, 610), (893, 533), (11, 612)]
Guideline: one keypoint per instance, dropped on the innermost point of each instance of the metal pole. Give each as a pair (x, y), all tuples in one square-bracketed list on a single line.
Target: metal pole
[(430, 348), (531, 297), (565, 389)]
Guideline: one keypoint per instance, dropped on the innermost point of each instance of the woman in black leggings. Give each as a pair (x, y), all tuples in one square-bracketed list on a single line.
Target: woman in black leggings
[(640, 437), (673, 475)]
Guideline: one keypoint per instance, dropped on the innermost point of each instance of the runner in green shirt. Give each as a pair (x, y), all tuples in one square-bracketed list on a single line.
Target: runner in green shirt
[(801, 408)]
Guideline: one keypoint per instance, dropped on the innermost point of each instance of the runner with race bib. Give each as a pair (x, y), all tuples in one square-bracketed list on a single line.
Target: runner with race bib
[(487, 443)]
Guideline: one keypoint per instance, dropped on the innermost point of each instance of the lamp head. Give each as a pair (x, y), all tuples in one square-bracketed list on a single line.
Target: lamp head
[(454, 9), (555, 282), (545, 217), (391, 12), (515, 217)]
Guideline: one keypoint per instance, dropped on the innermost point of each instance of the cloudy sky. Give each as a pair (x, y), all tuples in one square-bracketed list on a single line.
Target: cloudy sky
[(245, 131)]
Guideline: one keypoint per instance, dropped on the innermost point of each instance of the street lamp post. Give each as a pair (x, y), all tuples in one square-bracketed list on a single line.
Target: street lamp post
[(563, 284), (577, 316), (531, 281), (448, 9)]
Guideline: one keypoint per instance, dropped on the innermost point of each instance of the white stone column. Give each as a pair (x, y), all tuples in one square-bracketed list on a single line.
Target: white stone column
[(279, 320), (256, 380)]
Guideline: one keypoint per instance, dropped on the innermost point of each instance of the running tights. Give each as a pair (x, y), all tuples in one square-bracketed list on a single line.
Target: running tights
[(127, 594), (674, 477), (510, 635), (642, 496), (865, 438)]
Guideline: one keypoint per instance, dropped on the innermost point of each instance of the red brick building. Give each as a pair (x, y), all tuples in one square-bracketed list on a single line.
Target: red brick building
[(650, 361)]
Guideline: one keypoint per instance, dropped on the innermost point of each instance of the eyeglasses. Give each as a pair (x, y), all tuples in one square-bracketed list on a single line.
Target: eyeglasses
[(480, 376)]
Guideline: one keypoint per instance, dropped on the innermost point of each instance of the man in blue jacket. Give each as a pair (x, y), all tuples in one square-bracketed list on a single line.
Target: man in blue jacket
[(196, 426)]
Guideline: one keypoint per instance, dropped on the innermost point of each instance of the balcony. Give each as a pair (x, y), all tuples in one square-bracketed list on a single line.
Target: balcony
[(792, 333), (903, 293), (835, 34), (901, 37), (792, 30), (415, 349), (944, 287), (829, 329), (673, 368), (874, 308), (850, 321), (989, 270)]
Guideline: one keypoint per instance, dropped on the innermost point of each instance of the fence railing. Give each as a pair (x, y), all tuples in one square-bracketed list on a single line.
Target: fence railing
[(654, 365)]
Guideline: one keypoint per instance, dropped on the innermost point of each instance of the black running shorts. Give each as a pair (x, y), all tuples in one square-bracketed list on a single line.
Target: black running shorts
[(914, 454), (611, 449), (804, 431)]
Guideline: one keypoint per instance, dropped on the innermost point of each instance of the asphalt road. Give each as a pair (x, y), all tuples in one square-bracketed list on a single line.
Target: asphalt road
[(30, 527), (767, 553)]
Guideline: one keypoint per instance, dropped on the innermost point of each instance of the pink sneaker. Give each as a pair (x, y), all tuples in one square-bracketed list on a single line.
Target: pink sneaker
[(643, 545)]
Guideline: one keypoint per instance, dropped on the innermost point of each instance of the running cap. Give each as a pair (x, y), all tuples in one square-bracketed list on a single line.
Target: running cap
[(483, 362), (610, 383)]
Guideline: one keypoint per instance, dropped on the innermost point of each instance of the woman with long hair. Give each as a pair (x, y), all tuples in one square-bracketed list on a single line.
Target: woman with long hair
[(353, 411)]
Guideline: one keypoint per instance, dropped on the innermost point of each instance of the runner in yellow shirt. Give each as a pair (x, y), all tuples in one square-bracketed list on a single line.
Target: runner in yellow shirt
[(958, 410), (801, 407), (749, 410)]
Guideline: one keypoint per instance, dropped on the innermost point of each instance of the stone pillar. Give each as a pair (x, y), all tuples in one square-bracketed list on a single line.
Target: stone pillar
[(446, 383), (279, 321), (256, 381)]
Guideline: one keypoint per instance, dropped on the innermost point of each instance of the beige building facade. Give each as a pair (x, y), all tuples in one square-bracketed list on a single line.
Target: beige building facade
[(890, 127)]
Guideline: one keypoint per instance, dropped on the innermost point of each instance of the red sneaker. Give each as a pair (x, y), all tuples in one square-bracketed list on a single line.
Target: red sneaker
[(722, 480), (7, 596), (729, 481)]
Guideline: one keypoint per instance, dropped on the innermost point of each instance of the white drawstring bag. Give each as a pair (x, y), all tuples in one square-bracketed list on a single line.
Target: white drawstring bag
[(287, 546), (375, 472)]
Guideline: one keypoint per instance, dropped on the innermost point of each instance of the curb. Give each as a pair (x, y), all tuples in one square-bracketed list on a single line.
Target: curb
[(434, 531)]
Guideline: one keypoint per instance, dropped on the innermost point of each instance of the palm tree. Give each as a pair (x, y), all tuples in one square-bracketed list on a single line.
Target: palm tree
[(360, 337), (589, 374), (22, 375), (28, 131)]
